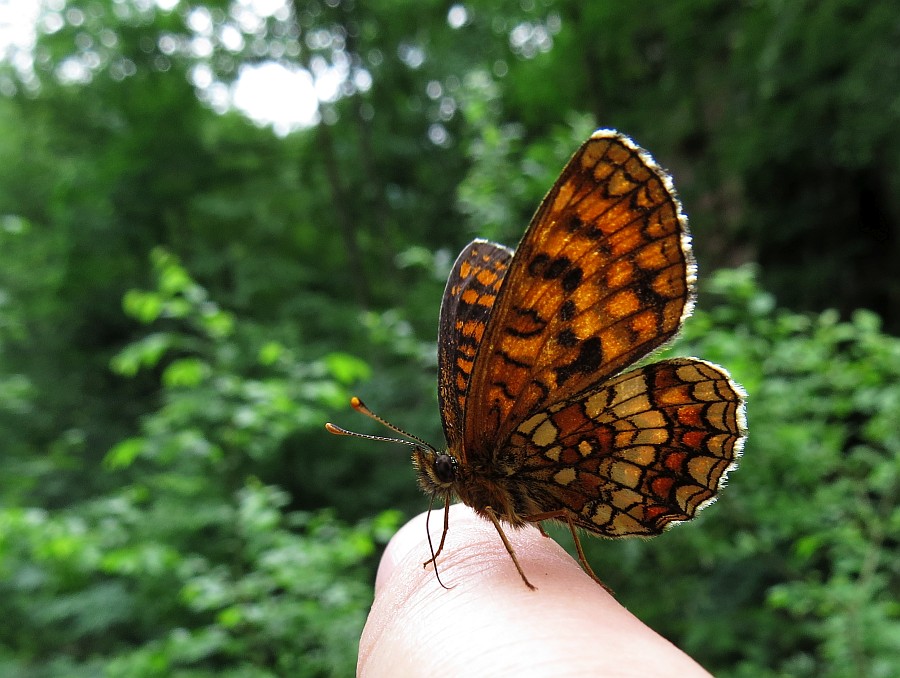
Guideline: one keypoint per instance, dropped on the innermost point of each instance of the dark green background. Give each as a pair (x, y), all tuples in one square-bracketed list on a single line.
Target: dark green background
[(185, 298)]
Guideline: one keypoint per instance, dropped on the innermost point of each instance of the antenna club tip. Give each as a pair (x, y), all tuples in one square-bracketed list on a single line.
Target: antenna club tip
[(331, 428), (360, 407)]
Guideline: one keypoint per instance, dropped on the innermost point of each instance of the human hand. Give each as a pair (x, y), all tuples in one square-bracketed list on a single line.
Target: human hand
[(489, 623)]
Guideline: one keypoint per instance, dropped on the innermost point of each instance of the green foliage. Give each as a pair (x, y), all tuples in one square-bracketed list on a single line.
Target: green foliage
[(192, 565)]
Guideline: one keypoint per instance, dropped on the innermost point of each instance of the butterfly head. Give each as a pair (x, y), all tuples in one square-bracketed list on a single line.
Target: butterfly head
[(437, 471)]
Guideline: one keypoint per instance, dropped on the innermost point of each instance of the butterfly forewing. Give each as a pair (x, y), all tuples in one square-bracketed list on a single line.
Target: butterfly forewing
[(646, 449), (601, 277), (467, 303)]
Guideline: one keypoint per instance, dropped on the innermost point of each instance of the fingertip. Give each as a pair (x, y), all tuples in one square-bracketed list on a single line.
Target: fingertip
[(490, 623), (397, 549)]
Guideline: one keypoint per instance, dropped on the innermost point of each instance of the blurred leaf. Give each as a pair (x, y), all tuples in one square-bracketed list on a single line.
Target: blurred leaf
[(124, 453), (346, 368), (186, 372), (146, 352)]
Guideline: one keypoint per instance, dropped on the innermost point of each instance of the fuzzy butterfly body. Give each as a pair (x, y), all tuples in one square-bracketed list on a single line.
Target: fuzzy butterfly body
[(544, 414)]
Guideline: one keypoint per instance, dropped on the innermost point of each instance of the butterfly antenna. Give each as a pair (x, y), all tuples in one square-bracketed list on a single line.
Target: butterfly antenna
[(360, 407)]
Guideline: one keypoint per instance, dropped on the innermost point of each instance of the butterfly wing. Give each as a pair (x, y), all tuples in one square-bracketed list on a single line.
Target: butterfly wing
[(646, 449), (467, 303), (602, 277)]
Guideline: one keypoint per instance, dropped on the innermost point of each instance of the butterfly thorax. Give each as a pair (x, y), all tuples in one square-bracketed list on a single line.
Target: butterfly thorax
[(441, 474)]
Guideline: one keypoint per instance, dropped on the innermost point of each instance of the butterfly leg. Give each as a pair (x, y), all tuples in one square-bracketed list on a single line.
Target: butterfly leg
[(443, 534), (434, 554), (509, 549), (562, 514), (584, 562)]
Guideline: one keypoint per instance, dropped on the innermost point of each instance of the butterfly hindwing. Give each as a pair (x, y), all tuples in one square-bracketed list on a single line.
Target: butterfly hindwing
[(646, 449)]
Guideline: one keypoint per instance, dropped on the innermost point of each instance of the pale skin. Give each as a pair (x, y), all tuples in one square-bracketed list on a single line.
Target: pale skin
[(489, 623)]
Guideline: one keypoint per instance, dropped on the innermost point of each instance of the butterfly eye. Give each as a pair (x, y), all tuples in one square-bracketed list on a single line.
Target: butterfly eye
[(444, 468)]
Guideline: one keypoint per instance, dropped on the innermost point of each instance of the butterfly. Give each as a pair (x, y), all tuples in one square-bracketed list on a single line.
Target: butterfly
[(545, 415)]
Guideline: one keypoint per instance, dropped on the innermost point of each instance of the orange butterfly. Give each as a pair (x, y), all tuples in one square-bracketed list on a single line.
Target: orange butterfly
[(541, 421)]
